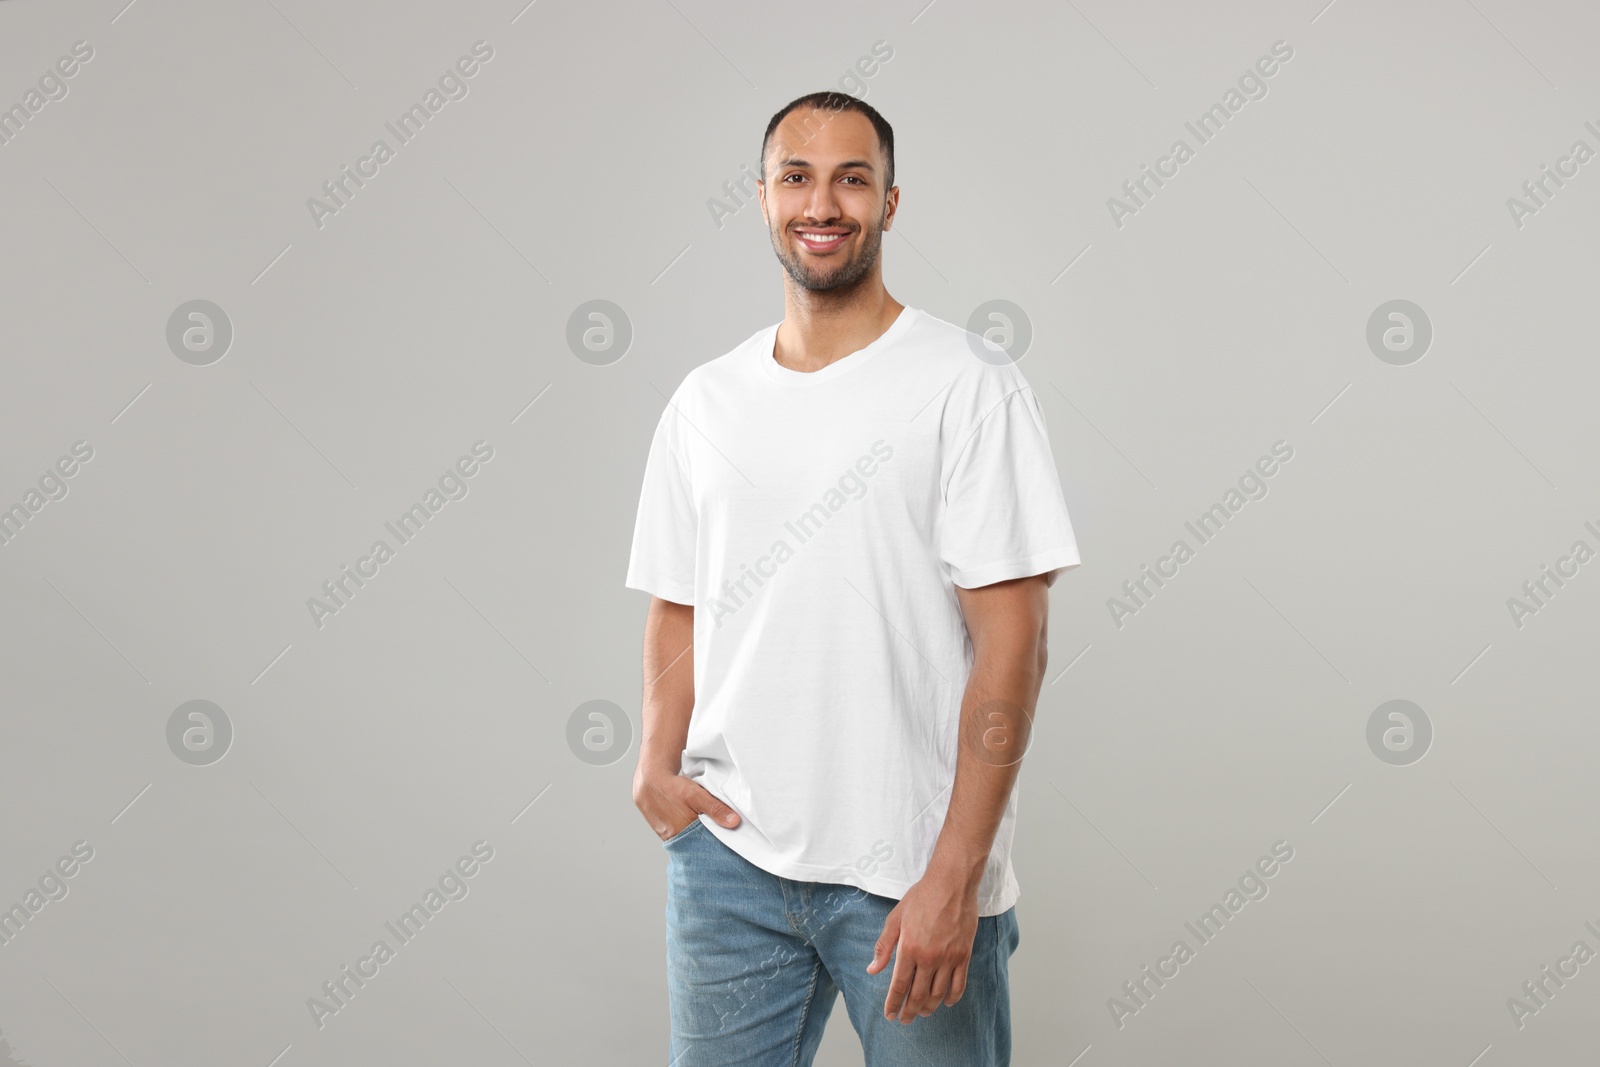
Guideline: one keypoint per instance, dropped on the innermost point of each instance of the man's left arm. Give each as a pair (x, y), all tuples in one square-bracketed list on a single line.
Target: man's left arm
[(931, 931)]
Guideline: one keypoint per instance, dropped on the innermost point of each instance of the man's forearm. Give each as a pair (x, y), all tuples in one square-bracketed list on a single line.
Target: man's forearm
[(668, 686), (996, 721)]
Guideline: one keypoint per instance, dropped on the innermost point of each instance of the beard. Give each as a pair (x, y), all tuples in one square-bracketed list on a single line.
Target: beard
[(821, 278)]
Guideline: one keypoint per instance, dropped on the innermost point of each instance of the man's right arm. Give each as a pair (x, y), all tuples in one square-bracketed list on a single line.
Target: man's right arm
[(667, 800)]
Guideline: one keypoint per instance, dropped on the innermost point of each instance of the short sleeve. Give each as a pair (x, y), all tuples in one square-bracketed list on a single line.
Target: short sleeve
[(664, 532), (1005, 515)]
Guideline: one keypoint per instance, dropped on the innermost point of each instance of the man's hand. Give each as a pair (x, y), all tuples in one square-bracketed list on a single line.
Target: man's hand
[(932, 929), (930, 933), (670, 802)]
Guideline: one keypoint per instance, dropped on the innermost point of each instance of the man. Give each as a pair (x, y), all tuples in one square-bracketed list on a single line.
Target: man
[(851, 520)]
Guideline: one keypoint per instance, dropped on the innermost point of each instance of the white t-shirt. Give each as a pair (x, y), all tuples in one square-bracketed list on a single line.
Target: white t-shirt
[(818, 523)]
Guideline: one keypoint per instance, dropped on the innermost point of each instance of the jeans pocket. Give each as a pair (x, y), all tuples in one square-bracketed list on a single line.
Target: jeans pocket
[(685, 832)]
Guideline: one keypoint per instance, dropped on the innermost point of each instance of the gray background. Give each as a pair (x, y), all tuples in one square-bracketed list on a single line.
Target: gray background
[(431, 312)]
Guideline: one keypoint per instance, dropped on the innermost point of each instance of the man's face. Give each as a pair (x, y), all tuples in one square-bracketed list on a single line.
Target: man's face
[(824, 199)]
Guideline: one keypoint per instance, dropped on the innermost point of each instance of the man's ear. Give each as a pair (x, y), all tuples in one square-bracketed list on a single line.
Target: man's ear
[(891, 205)]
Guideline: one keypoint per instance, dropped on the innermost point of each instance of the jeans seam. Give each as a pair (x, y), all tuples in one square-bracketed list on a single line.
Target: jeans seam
[(994, 976), (805, 1012), (996, 979)]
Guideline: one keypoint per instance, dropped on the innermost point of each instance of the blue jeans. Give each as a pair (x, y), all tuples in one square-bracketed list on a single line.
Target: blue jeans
[(754, 962)]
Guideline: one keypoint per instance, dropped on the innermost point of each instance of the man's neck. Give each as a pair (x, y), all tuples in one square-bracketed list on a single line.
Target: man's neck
[(821, 328)]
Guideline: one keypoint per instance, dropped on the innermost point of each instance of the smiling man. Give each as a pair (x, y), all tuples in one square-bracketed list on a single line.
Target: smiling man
[(848, 526)]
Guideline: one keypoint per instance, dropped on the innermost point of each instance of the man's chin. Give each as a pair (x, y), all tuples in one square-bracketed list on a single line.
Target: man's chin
[(823, 281), (819, 285)]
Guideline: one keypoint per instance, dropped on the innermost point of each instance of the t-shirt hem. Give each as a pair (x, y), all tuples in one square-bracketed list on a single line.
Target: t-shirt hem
[(678, 594), (1041, 563), (892, 888)]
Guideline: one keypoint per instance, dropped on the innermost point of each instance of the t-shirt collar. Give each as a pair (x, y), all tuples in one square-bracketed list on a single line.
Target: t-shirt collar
[(786, 376)]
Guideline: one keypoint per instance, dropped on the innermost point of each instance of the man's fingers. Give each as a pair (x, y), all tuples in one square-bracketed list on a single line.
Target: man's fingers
[(685, 797), (886, 941), (937, 990), (958, 985), (899, 986), (710, 805), (921, 983), (665, 830)]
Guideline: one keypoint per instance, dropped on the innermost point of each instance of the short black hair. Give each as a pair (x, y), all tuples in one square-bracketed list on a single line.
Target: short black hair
[(832, 100)]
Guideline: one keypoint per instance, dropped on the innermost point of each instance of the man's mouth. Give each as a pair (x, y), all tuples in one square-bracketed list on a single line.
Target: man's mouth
[(822, 240)]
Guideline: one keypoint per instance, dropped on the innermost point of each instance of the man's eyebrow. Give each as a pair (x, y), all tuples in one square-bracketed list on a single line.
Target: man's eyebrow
[(849, 164)]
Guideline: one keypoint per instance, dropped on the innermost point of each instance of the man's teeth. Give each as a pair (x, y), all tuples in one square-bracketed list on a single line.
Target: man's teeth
[(821, 238)]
